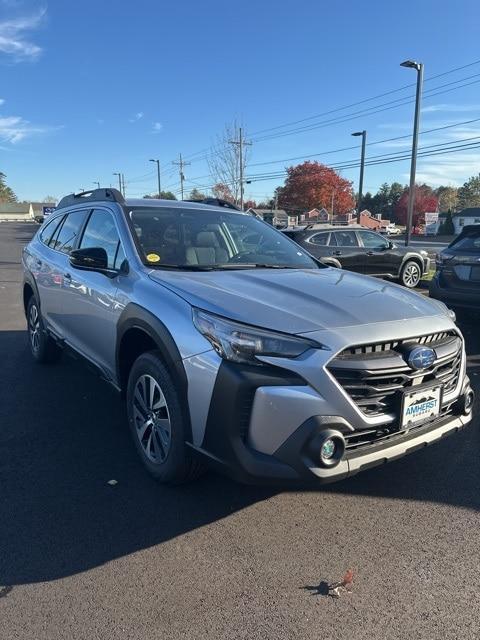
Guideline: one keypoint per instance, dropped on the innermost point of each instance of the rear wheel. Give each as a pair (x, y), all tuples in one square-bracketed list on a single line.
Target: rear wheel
[(411, 274), (157, 422), (43, 348)]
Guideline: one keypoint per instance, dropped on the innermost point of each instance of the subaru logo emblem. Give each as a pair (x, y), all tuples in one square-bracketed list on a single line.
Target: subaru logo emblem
[(421, 358)]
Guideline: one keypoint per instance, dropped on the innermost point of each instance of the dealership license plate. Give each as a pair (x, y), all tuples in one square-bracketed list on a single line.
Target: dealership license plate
[(421, 405)]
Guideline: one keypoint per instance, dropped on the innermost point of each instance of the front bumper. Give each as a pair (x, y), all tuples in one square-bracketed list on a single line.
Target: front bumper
[(249, 433)]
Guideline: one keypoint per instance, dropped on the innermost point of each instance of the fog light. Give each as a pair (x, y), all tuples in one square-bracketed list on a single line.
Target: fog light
[(328, 449), (468, 400)]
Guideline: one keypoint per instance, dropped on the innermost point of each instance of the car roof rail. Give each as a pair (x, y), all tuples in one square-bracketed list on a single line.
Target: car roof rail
[(95, 195), (216, 202)]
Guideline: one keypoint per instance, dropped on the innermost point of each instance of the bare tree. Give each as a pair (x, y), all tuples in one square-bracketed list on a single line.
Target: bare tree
[(224, 159)]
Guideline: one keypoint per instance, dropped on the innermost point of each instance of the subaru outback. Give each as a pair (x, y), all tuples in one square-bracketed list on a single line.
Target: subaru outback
[(233, 347)]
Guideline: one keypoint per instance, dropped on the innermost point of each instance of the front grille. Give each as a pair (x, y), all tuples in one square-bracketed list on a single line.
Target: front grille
[(375, 376)]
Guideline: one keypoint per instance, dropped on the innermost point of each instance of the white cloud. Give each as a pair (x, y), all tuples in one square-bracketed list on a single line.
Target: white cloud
[(138, 116), (13, 40), (454, 108), (452, 170), (14, 129), (157, 127), (2, 101)]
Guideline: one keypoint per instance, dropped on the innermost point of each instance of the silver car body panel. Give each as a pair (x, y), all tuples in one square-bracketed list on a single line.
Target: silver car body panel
[(336, 308)]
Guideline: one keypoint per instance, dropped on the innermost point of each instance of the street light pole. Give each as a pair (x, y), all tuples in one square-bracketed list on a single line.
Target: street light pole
[(362, 168), (418, 66), (97, 183), (158, 176), (119, 181)]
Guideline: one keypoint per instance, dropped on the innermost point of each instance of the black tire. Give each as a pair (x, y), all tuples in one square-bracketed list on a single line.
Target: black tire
[(174, 462), (42, 347), (411, 274)]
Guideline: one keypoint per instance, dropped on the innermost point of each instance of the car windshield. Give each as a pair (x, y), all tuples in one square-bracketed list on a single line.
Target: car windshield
[(208, 239)]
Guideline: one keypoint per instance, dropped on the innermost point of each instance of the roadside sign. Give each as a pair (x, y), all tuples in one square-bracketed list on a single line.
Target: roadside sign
[(431, 223), (47, 211)]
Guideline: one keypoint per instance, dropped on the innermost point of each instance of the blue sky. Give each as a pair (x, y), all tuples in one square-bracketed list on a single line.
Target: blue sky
[(89, 88)]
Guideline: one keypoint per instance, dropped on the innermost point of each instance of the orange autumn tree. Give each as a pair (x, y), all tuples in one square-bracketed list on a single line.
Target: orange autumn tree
[(312, 184)]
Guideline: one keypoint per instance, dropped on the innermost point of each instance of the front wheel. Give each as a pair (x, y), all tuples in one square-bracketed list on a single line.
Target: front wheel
[(411, 274), (157, 422), (43, 348)]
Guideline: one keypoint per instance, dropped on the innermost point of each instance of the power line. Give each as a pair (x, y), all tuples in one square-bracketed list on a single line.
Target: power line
[(354, 104)]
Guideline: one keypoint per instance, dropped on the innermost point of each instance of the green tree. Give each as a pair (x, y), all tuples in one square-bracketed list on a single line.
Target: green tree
[(469, 194), (447, 198), (164, 195), (6, 193), (195, 194), (367, 201), (447, 228)]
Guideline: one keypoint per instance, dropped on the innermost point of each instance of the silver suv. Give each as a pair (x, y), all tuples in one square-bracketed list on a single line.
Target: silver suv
[(232, 346)]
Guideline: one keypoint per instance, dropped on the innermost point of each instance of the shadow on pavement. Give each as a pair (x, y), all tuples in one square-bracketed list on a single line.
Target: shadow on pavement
[(63, 436)]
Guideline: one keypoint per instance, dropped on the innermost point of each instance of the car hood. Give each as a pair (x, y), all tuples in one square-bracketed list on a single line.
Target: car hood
[(297, 300)]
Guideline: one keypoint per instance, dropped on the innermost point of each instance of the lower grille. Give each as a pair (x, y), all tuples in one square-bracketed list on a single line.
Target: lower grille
[(358, 439), (376, 376)]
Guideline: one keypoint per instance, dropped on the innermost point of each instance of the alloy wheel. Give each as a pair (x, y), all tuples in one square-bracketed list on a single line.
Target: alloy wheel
[(411, 275), (34, 328), (152, 419)]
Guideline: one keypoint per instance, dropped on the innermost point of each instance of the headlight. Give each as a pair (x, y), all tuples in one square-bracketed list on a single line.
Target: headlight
[(241, 343), (424, 253), (446, 310)]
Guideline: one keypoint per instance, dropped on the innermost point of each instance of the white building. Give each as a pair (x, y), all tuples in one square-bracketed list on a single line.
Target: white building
[(471, 215)]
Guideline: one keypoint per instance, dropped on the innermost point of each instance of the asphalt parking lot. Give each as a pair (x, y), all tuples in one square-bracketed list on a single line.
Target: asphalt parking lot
[(80, 558)]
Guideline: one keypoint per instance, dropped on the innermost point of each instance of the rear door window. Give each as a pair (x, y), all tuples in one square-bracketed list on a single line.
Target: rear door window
[(66, 237), (320, 239), (346, 238)]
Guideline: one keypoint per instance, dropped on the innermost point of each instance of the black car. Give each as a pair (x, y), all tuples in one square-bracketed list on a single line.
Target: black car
[(358, 249), (457, 280)]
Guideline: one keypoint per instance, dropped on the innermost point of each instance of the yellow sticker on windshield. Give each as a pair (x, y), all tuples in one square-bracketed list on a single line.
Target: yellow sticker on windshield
[(153, 257)]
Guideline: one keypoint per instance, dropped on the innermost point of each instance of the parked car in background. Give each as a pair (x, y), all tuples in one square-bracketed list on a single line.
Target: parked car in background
[(457, 280), (393, 230), (362, 250), (233, 347)]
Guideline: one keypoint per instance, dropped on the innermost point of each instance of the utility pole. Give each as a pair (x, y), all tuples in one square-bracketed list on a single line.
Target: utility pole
[(418, 66), (119, 180), (97, 183), (240, 143), (181, 163), (362, 168), (123, 184), (158, 176)]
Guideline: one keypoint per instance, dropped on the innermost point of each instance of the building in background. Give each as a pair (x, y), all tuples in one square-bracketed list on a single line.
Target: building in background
[(471, 215), (20, 211)]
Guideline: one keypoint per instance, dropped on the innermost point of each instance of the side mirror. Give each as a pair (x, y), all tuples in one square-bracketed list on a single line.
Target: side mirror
[(391, 245), (93, 258)]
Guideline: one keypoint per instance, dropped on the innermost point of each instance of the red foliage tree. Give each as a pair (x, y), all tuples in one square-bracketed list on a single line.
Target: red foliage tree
[(312, 184), (223, 192), (249, 204), (425, 200)]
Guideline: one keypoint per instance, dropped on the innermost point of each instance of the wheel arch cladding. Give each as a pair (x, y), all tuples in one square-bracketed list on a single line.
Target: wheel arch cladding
[(29, 289), (138, 331)]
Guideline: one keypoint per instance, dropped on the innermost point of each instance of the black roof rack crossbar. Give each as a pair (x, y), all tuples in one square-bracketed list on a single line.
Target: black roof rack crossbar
[(105, 195), (215, 202)]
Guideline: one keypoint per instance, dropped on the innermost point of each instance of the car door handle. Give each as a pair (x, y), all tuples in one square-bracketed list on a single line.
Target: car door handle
[(336, 253), (370, 253), (67, 276)]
